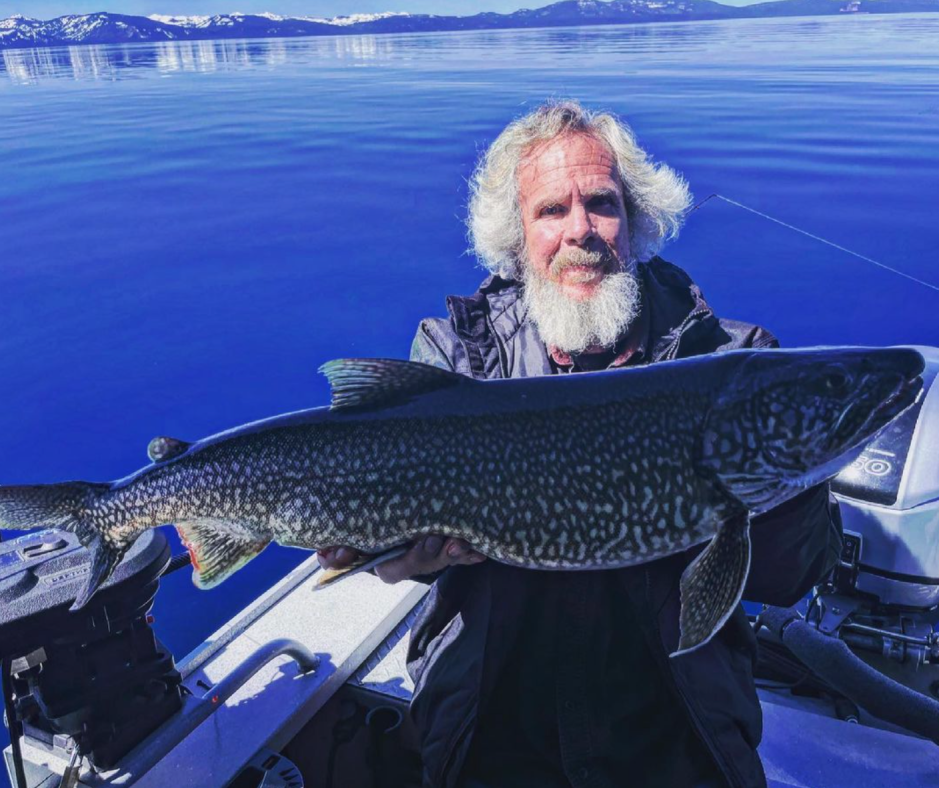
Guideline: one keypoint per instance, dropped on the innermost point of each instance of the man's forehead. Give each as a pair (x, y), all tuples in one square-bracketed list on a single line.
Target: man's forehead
[(579, 155)]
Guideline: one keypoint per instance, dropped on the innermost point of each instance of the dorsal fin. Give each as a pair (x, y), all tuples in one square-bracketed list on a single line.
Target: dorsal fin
[(162, 448), (378, 382)]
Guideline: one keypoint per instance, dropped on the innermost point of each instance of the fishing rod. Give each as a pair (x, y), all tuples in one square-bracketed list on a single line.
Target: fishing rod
[(814, 237)]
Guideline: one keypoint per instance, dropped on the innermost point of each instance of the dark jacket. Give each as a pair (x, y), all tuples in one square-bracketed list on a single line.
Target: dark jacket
[(458, 643)]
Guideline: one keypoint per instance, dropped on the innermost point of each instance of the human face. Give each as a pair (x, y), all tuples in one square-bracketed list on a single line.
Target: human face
[(572, 202)]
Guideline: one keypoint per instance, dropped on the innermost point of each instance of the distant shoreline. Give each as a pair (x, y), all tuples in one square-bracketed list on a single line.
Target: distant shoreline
[(20, 32)]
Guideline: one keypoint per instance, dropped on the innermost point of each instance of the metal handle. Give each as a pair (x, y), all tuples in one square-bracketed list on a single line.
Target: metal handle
[(306, 660), (196, 710)]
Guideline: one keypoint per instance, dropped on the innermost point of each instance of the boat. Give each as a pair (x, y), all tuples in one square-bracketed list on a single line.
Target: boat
[(289, 693)]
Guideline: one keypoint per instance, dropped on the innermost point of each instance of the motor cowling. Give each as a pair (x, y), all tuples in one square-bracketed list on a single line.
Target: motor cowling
[(889, 501), (98, 675)]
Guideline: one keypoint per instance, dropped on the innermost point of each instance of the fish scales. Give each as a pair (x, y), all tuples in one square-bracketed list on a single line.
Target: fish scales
[(307, 486), (592, 471)]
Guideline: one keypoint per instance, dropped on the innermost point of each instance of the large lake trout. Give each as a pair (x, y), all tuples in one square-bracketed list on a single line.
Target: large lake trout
[(589, 471)]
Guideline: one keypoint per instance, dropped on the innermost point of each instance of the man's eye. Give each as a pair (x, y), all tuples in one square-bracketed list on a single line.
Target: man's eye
[(551, 210)]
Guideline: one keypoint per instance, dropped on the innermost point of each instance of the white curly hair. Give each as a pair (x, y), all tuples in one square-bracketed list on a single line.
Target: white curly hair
[(657, 198)]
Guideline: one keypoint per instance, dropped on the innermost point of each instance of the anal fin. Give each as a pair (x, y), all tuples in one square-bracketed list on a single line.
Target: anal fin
[(329, 577), (218, 548), (712, 584)]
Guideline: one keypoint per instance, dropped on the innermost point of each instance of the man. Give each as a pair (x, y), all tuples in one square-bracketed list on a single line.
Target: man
[(547, 679)]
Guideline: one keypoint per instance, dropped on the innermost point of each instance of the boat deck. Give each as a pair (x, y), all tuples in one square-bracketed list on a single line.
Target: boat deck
[(299, 665)]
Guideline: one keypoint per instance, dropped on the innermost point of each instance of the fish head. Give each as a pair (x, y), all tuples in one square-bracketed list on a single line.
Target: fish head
[(788, 420)]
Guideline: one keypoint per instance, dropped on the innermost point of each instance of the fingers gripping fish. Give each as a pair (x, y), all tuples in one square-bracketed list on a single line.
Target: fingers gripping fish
[(590, 471)]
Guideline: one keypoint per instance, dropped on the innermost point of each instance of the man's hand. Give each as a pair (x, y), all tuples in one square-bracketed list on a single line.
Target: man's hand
[(430, 554)]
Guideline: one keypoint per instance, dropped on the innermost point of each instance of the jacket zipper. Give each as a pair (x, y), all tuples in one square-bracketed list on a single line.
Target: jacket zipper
[(716, 755), (500, 347), (672, 350)]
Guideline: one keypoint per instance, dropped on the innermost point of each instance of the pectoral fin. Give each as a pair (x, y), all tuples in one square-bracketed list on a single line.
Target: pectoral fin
[(712, 584), (218, 548), (329, 577)]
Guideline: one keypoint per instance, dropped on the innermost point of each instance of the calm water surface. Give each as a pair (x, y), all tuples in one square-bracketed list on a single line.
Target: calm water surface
[(188, 230)]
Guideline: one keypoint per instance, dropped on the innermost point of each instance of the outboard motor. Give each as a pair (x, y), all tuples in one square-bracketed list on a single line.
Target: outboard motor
[(883, 599), (869, 632), (890, 502), (96, 680)]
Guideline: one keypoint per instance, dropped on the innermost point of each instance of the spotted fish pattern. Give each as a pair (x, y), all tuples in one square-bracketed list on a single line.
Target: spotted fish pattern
[(594, 471)]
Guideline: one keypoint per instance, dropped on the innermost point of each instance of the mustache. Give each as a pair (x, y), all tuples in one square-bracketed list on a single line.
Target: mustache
[(569, 258)]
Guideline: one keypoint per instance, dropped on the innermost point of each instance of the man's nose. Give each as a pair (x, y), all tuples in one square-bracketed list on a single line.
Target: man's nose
[(579, 227)]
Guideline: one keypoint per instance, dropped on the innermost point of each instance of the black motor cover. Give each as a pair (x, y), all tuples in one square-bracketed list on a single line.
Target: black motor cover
[(101, 676)]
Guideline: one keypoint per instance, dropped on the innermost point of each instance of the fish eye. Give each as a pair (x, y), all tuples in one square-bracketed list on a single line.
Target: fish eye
[(837, 382)]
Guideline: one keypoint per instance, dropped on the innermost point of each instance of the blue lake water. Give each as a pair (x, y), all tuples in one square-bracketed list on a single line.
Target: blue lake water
[(188, 230)]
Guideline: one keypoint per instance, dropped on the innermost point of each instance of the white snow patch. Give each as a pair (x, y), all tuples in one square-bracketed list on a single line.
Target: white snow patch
[(354, 19), (181, 21), (229, 19)]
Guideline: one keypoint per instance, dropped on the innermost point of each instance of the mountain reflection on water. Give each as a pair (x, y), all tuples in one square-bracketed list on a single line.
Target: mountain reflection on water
[(773, 46), (115, 61)]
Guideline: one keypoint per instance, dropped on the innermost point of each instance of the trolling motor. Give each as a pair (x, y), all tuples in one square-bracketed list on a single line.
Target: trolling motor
[(869, 630), (96, 680)]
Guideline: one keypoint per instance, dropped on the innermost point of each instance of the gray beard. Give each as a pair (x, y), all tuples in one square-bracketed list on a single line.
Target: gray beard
[(575, 326)]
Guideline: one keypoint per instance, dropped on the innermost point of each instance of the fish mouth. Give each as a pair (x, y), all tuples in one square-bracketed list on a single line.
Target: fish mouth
[(908, 366), (905, 393)]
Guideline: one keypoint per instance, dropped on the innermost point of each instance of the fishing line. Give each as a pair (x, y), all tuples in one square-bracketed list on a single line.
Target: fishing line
[(176, 563), (788, 226)]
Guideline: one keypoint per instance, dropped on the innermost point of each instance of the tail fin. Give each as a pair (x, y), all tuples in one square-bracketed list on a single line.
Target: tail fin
[(65, 506)]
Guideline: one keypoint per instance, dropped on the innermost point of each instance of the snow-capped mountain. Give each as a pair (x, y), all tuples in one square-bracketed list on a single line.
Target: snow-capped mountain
[(18, 31), (231, 20), (107, 28), (182, 21), (357, 19), (101, 28), (98, 28)]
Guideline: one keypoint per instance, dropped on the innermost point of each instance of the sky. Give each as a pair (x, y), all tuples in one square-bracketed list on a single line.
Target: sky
[(47, 9)]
